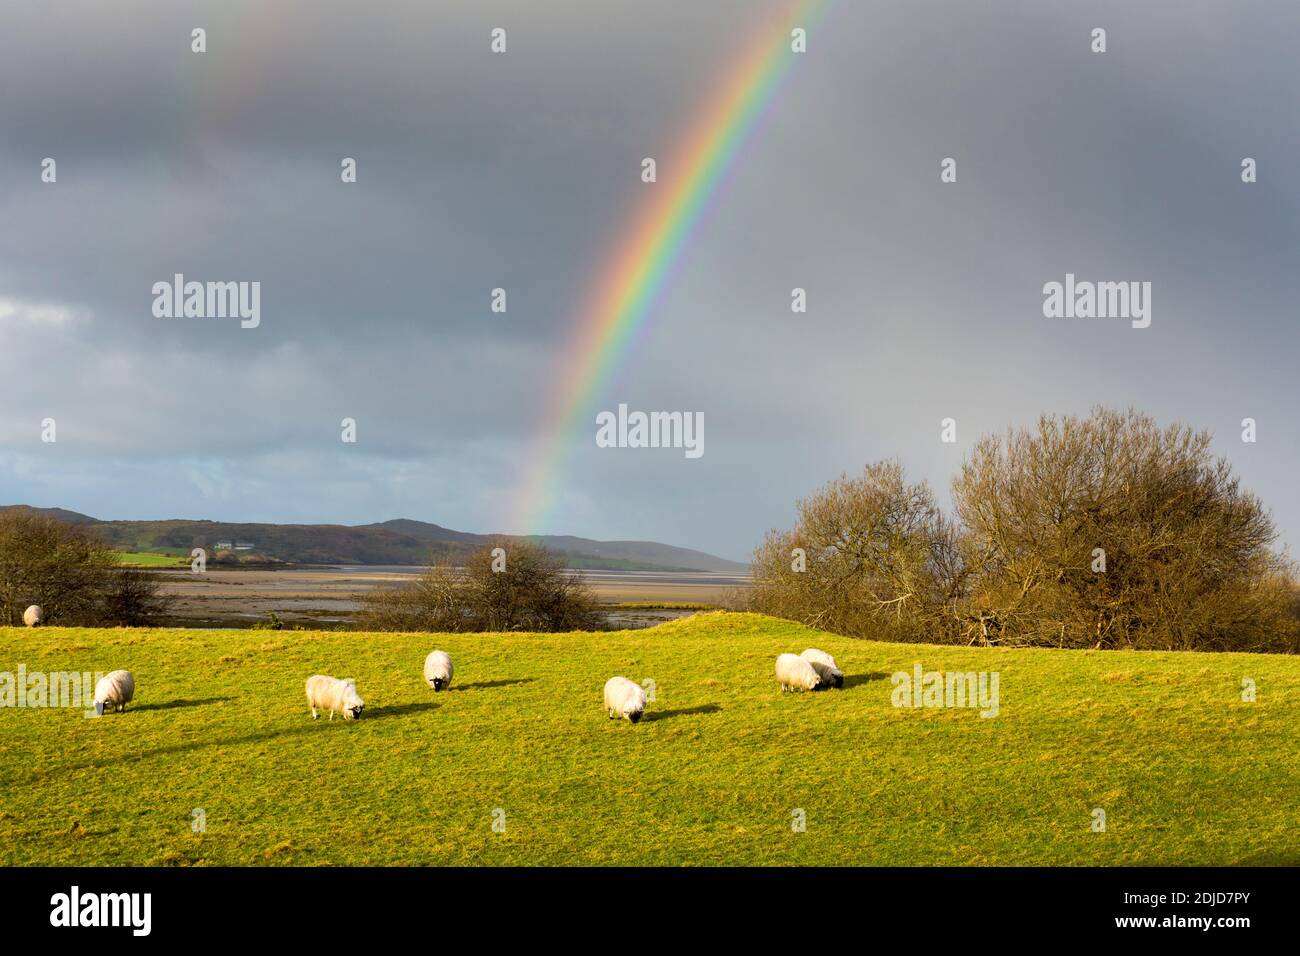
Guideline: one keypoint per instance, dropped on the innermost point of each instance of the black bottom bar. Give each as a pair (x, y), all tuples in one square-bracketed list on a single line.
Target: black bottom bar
[(794, 906)]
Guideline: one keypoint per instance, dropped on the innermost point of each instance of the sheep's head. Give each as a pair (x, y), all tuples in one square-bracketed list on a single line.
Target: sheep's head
[(353, 705)]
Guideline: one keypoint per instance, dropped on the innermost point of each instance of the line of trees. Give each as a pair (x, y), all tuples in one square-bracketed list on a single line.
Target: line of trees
[(74, 577), (1100, 532)]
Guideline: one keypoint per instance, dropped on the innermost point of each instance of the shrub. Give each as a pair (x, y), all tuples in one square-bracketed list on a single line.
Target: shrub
[(1109, 531), (1102, 532), (69, 573), (526, 588), (879, 560)]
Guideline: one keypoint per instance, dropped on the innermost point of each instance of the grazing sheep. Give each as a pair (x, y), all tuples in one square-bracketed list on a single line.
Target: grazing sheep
[(624, 699), (34, 616), (332, 694), (114, 691), (825, 667), (795, 673), (438, 670)]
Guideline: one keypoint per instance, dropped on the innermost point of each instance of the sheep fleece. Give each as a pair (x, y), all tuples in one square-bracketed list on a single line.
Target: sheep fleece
[(332, 694), (624, 699), (438, 670), (795, 672), (825, 666), (115, 689)]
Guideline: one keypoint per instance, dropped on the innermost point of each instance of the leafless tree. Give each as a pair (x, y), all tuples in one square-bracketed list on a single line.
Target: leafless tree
[(1102, 532), (870, 556), (68, 572), (1109, 531), (521, 587)]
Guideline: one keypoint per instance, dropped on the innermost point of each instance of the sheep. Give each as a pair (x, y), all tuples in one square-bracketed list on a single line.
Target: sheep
[(114, 691), (624, 699), (34, 616), (795, 673), (332, 694), (825, 667), (438, 670)]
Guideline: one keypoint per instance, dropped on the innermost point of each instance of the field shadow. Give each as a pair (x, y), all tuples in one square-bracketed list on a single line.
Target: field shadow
[(855, 680), (398, 710), (682, 712), (182, 702), (485, 684), (188, 746), (191, 746)]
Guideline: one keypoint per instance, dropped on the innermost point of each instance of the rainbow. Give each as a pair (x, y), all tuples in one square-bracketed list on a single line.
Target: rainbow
[(636, 278)]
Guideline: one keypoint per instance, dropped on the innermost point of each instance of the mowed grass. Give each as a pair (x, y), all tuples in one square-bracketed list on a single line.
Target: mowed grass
[(1186, 772)]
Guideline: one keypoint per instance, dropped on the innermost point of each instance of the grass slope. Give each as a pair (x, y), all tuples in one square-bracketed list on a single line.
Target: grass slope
[(1186, 772)]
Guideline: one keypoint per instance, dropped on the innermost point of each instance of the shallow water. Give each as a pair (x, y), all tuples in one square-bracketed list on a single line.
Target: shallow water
[(328, 596)]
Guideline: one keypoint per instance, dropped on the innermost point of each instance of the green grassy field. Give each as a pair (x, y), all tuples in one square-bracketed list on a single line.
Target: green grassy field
[(1186, 772), (151, 559)]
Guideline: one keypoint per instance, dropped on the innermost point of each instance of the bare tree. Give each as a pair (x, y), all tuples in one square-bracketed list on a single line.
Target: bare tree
[(1109, 531), (132, 598), (506, 585), (71, 574), (1102, 532), (870, 556), (53, 564)]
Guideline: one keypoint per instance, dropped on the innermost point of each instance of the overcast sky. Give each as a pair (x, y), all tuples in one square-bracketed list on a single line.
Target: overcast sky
[(521, 170)]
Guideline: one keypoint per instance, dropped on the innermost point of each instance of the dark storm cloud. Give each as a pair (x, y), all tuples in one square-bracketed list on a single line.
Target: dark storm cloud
[(518, 171)]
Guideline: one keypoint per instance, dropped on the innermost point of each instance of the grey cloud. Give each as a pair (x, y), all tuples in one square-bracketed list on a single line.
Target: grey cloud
[(520, 171)]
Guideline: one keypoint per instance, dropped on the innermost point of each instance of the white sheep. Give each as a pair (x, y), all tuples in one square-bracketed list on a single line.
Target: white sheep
[(825, 667), (624, 699), (114, 691), (34, 616), (795, 673), (438, 670), (332, 694)]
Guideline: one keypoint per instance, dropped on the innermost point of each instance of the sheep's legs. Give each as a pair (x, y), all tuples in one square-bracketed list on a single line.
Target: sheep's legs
[(314, 715)]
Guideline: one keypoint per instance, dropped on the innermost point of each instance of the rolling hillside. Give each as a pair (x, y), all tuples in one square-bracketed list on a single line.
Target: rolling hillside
[(401, 541), (720, 771)]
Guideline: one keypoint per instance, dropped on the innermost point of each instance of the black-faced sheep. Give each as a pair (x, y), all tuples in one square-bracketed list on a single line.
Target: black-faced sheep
[(825, 667), (438, 670), (114, 691), (624, 699), (332, 694)]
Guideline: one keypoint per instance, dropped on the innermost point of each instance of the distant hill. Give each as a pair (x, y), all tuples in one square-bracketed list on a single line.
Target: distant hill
[(400, 541)]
